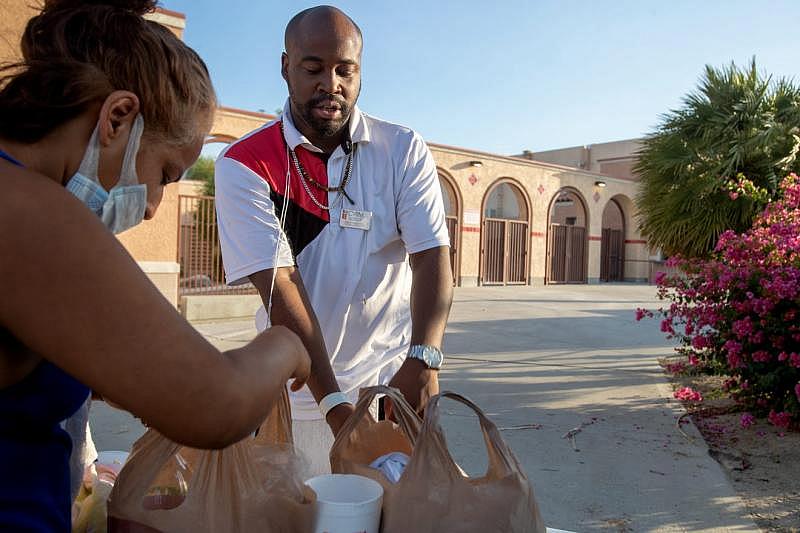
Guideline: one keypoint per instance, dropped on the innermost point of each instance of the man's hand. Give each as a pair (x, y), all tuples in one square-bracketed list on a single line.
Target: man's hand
[(338, 416), (417, 382)]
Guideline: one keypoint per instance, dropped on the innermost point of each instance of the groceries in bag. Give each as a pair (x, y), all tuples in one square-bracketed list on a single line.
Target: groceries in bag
[(444, 499), (253, 485)]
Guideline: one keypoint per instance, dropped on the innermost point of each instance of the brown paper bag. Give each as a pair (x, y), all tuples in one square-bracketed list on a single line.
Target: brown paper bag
[(362, 440), (434, 496), (253, 485)]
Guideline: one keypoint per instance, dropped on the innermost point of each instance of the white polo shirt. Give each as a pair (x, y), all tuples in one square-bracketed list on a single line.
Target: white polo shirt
[(358, 281)]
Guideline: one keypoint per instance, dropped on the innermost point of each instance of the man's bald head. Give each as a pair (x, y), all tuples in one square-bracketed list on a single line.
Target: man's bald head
[(322, 69), (318, 19)]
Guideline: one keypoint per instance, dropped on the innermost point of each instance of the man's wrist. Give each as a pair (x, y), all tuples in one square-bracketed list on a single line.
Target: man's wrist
[(430, 356), (331, 401), (343, 409)]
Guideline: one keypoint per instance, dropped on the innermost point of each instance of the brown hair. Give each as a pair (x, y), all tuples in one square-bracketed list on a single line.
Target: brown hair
[(76, 52)]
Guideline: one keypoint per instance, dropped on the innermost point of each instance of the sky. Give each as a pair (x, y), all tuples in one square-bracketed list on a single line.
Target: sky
[(506, 76)]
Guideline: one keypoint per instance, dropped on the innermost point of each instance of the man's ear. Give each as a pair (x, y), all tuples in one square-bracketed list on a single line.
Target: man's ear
[(285, 66)]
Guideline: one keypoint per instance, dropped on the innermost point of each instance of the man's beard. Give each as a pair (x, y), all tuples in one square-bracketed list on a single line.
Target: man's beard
[(323, 127)]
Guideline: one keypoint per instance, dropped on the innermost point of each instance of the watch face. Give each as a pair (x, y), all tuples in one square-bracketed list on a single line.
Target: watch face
[(429, 355), (432, 357)]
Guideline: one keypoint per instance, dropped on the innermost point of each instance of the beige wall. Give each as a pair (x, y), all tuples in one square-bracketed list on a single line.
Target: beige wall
[(615, 159), (15, 14), (156, 239), (231, 123), (540, 183)]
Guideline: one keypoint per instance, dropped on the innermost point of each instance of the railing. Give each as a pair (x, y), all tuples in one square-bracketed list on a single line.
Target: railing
[(199, 253)]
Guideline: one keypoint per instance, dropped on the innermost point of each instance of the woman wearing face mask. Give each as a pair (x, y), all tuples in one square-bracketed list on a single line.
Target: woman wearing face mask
[(104, 111)]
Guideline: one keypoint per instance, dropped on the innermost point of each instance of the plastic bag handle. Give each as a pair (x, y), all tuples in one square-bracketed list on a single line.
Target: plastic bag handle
[(407, 418), (501, 460), (279, 419)]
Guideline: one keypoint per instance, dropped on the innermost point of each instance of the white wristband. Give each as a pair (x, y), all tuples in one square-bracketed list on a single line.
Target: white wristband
[(332, 400)]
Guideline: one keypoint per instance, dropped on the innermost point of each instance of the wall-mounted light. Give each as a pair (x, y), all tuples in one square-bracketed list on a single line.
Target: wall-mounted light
[(476, 164), (599, 183)]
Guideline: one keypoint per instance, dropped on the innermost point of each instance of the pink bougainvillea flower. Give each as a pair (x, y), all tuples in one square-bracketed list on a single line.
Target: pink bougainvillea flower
[(700, 342), (761, 356), (747, 420), (676, 368), (781, 420), (688, 394)]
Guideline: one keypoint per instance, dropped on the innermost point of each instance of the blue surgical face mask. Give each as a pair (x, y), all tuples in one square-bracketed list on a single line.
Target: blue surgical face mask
[(124, 205)]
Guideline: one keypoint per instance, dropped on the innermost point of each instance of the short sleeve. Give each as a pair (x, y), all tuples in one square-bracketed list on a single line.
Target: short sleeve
[(249, 230), (420, 209)]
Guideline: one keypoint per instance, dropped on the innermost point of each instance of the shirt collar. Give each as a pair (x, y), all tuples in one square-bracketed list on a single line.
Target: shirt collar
[(357, 129)]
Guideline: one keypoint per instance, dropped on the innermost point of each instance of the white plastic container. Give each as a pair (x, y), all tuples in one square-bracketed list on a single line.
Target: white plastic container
[(346, 504)]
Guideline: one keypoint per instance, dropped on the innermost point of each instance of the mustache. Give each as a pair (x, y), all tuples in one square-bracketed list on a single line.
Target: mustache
[(317, 100)]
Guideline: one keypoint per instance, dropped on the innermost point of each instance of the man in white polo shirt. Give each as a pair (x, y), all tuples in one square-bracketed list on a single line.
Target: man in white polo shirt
[(362, 268)]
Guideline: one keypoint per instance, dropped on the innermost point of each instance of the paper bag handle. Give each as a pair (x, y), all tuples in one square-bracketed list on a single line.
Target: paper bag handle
[(407, 418), (501, 460)]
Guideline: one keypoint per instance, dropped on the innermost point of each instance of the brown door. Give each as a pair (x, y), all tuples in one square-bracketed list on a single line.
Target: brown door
[(612, 259), (505, 252), (452, 229), (494, 250), (516, 237), (567, 254)]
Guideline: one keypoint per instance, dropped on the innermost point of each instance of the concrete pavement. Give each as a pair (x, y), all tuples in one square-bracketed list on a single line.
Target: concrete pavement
[(545, 362)]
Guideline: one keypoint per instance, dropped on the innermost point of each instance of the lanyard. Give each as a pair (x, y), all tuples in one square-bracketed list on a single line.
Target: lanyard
[(305, 177)]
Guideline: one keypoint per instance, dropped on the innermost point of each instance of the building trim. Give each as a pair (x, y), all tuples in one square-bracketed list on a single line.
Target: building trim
[(519, 160), (168, 19), (238, 111), (171, 13)]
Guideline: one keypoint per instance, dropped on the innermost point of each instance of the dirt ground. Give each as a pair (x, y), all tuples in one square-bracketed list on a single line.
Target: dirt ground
[(762, 461)]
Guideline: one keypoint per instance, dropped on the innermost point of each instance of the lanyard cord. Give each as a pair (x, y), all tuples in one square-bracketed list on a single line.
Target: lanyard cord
[(305, 177), (281, 237)]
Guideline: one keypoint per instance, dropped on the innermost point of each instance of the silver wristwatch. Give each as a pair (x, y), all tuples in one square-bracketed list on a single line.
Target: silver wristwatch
[(430, 355)]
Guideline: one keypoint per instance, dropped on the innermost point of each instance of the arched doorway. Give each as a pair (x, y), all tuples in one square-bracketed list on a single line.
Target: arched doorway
[(506, 236), (567, 238), (612, 243), (452, 209)]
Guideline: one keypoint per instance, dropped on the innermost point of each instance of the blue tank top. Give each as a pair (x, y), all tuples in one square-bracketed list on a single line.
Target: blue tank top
[(34, 449)]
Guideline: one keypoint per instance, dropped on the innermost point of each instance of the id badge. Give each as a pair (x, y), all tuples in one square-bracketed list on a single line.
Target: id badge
[(355, 219)]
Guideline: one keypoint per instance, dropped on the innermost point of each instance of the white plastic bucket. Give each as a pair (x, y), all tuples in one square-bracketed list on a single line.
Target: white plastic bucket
[(346, 504)]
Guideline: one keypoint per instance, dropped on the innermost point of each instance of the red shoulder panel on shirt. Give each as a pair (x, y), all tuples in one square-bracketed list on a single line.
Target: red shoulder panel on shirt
[(264, 152)]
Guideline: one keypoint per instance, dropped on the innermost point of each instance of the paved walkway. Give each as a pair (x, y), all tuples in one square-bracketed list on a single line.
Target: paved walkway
[(542, 361)]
